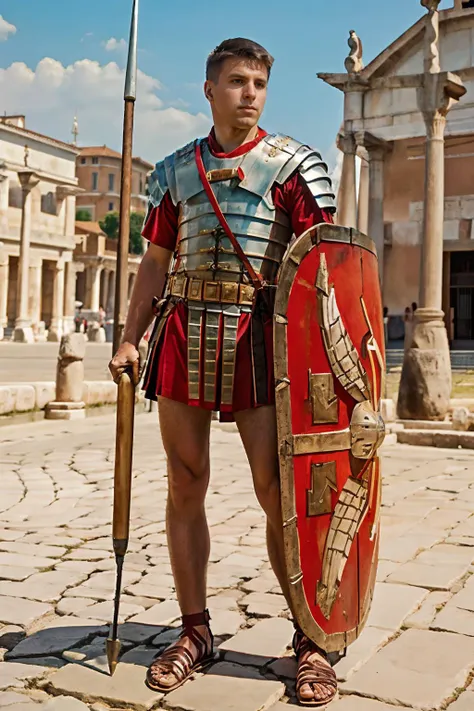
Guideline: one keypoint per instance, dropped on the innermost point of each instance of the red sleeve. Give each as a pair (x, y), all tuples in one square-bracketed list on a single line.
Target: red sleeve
[(295, 199), (161, 225)]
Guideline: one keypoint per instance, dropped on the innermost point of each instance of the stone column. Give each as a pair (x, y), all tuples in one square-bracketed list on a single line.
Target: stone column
[(23, 331), (69, 298), (425, 385), (111, 294), (363, 198), (34, 301), (347, 195), (95, 287), (3, 291), (56, 328)]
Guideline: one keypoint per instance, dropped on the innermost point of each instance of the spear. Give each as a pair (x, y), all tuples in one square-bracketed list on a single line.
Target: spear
[(127, 381), (121, 282)]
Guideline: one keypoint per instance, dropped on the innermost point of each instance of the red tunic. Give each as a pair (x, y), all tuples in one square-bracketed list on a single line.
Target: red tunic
[(167, 374)]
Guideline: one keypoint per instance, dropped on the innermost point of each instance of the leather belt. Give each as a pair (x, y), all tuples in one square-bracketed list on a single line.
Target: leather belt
[(225, 292)]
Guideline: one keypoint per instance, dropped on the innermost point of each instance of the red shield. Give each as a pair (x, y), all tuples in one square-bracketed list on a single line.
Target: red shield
[(329, 369)]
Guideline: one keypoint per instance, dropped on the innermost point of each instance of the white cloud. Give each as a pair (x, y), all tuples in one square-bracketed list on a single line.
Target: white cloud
[(52, 94), (6, 29), (115, 45)]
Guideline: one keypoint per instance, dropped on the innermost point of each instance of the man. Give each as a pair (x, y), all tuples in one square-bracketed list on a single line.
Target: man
[(212, 347)]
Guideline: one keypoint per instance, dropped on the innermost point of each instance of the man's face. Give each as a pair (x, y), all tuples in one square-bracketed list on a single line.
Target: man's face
[(238, 97)]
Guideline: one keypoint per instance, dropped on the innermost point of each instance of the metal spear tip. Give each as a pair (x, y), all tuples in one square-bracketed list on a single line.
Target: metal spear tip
[(113, 650)]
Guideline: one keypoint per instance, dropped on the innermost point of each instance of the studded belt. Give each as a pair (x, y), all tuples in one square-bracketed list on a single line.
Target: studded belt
[(225, 292)]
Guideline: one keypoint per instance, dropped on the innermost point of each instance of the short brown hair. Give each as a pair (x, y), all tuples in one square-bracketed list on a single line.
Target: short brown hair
[(239, 47)]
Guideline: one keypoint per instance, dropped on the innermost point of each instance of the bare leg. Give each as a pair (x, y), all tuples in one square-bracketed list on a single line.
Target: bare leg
[(185, 434), (258, 431)]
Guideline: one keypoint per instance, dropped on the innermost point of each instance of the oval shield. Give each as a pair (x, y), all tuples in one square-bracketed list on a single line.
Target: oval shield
[(329, 371)]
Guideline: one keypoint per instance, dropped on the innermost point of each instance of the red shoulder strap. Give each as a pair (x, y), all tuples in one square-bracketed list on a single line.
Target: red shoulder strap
[(256, 279)]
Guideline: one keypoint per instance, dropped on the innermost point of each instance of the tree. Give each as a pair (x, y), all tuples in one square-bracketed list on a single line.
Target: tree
[(110, 225), (136, 225), (83, 215)]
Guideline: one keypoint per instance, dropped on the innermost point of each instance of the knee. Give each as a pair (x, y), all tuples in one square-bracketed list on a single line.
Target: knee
[(187, 483), (267, 491)]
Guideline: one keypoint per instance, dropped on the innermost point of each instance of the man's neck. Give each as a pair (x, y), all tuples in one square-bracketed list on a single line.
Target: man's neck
[(231, 138)]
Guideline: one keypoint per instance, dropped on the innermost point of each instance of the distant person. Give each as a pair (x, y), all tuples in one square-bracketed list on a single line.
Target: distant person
[(414, 307), (79, 321), (102, 316)]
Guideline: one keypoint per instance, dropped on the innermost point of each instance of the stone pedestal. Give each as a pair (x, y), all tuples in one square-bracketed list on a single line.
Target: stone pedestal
[(69, 380), (425, 386)]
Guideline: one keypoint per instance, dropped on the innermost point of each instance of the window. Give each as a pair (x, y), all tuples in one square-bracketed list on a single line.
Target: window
[(111, 206), (111, 182), (141, 185), (95, 161), (95, 181), (83, 161), (48, 203), (15, 196)]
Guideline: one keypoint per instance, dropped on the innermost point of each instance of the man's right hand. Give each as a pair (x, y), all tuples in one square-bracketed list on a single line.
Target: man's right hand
[(127, 358)]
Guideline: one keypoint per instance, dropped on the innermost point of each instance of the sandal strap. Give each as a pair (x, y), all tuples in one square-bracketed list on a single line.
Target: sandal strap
[(176, 660), (196, 620)]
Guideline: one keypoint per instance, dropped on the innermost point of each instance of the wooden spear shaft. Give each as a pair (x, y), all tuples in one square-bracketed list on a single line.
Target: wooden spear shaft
[(127, 381), (121, 281)]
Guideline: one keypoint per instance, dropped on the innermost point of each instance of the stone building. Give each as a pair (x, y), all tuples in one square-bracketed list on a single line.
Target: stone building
[(38, 188), (97, 255), (98, 170), (385, 127)]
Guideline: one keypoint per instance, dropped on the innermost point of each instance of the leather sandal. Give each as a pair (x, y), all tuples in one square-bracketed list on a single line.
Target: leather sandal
[(180, 661), (314, 673)]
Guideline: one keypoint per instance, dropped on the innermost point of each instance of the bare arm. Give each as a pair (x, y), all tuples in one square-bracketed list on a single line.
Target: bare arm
[(149, 283)]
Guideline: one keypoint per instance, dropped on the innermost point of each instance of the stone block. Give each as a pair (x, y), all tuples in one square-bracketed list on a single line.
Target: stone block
[(162, 614), (16, 611), (356, 703), (99, 392), (454, 619), (7, 399), (392, 604), (25, 397), (387, 409), (369, 642), (126, 688), (65, 410), (241, 689), (63, 633), (14, 674), (256, 646), (420, 669), (424, 616), (432, 577), (44, 393)]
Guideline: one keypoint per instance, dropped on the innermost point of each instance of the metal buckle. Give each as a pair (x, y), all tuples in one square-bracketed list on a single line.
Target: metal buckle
[(195, 289), (229, 292), (246, 294), (179, 286), (211, 291)]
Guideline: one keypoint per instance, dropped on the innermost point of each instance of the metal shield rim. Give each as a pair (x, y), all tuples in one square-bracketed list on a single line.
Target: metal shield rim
[(323, 232)]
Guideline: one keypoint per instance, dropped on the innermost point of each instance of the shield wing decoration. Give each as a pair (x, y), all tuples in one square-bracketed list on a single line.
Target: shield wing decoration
[(329, 371)]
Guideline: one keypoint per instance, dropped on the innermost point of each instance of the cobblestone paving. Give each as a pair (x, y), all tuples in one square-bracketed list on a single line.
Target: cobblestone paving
[(57, 577)]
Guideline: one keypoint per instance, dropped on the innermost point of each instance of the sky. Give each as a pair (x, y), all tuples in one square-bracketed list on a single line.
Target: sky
[(60, 58)]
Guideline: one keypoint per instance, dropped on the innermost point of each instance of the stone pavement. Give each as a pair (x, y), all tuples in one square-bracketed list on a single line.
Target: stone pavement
[(57, 578)]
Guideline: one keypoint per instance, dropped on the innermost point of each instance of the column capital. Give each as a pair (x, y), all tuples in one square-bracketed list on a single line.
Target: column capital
[(376, 147), (28, 180), (346, 143), (439, 93)]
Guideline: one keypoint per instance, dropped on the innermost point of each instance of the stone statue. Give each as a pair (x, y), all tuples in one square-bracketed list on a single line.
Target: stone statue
[(353, 62), (69, 379)]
